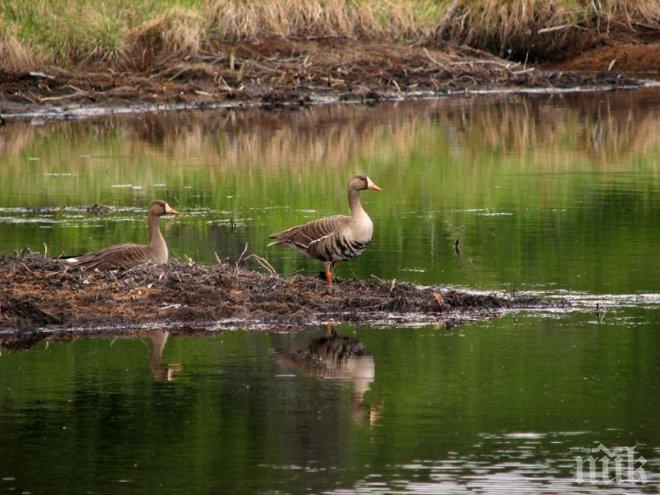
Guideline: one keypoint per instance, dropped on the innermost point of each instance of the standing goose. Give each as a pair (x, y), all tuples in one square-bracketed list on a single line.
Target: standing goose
[(336, 238), (129, 255)]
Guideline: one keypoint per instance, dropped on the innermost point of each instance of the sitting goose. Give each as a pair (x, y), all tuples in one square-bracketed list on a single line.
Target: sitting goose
[(129, 255), (336, 238)]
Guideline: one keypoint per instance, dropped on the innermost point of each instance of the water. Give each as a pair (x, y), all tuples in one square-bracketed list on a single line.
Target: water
[(553, 192), (487, 407), (550, 193)]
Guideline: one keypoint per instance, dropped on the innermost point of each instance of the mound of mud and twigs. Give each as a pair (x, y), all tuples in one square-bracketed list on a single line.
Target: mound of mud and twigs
[(38, 292)]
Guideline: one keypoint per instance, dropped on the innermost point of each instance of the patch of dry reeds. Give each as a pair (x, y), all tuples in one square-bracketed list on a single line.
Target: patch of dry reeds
[(117, 33)]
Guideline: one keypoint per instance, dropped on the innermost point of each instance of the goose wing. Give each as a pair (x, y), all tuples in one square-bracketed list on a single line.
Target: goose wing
[(114, 257), (308, 234)]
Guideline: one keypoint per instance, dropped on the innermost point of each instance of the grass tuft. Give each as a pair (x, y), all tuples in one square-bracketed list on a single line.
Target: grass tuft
[(15, 58), (176, 33)]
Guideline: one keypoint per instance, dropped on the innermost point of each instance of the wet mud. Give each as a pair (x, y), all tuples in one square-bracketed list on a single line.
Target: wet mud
[(285, 72), (39, 294)]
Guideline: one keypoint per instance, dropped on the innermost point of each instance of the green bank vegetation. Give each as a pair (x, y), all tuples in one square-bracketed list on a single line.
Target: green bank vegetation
[(133, 35)]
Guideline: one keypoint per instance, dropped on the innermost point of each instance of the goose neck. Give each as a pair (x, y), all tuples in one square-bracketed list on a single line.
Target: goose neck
[(156, 240), (354, 202), (154, 229)]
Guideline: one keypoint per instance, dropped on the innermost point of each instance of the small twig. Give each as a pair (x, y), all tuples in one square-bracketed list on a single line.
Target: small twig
[(505, 65), (514, 285), (555, 28), (261, 66), (64, 97), (242, 254), (41, 75), (325, 37), (457, 242), (434, 60), (28, 270), (393, 285), (377, 278), (217, 258), (600, 312), (264, 263), (524, 71)]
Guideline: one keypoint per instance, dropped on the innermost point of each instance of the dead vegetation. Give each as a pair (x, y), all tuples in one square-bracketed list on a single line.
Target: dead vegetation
[(174, 35), (38, 292), (127, 37), (551, 30), (281, 71), (15, 58)]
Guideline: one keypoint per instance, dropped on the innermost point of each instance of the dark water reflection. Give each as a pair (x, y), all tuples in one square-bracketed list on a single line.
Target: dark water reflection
[(332, 356), (493, 407)]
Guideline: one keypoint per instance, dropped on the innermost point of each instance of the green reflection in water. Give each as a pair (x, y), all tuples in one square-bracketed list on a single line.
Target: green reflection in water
[(558, 192), (248, 411), (552, 191)]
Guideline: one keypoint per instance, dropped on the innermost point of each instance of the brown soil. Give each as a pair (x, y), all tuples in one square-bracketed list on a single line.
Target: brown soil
[(278, 71), (43, 293), (628, 57)]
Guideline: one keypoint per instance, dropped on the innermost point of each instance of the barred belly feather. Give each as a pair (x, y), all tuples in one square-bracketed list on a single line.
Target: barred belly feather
[(337, 248)]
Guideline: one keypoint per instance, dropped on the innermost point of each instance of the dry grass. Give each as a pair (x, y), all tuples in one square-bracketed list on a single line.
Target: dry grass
[(174, 34), (323, 18), (545, 29), (138, 35), (15, 58)]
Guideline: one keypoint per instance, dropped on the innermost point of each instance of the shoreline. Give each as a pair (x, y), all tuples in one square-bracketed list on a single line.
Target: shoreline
[(82, 111), (294, 74)]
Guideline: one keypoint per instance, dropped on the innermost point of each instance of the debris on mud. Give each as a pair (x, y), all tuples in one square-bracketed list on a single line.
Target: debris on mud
[(280, 71), (38, 293)]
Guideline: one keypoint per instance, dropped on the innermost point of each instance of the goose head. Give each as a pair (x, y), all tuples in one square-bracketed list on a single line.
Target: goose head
[(362, 182), (160, 208)]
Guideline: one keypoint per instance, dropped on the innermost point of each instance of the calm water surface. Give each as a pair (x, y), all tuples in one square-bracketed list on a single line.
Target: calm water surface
[(547, 193), (552, 192)]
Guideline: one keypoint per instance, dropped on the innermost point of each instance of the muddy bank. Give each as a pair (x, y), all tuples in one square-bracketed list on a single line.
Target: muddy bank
[(42, 293), (279, 71), (632, 58)]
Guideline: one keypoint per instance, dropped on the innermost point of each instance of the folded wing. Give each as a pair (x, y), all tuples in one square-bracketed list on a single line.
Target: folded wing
[(119, 256), (306, 235)]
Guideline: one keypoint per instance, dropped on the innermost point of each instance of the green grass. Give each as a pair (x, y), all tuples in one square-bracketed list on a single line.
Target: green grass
[(80, 32)]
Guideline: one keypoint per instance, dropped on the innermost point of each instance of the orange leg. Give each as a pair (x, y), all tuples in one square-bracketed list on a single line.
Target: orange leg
[(330, 329), (328, 272), (328, 275)]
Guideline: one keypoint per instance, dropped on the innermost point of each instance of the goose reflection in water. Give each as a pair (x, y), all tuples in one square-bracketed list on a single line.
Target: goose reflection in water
[(156, 341), (333, 356)]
